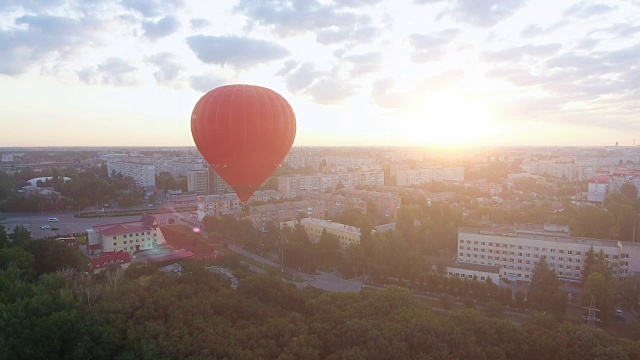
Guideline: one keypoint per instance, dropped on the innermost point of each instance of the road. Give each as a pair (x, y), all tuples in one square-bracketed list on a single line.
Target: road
[(325, 281), (67, 224)]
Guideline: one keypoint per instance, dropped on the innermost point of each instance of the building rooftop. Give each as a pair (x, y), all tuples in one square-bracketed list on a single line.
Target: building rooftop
[(110, 258), (544, 236), (330, 225)]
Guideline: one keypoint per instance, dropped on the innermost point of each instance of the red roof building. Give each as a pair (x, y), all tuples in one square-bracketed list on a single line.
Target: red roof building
[(108, 259), (129, 236)]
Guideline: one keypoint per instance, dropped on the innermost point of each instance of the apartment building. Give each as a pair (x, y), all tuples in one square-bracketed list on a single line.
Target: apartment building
[(294, 185), (517, 250), (198, 182), (277, 213), (219, 205), (143, 174), (128, 237), (385, 204), (347, 235), (406, 177)]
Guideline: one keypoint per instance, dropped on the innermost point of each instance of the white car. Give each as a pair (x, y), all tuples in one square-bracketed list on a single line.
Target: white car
[(45, 227)]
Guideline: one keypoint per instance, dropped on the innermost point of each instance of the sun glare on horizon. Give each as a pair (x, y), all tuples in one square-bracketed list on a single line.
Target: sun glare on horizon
[(448, 120)]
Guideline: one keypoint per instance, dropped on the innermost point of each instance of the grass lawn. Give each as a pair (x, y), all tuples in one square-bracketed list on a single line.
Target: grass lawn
[(82, 239)]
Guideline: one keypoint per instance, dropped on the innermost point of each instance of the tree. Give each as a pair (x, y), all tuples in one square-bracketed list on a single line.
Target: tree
[(52, 255), (629, 190), (599, 286), (20, 235), (589, 261), (544, 292), (4, 239), (629, 291)]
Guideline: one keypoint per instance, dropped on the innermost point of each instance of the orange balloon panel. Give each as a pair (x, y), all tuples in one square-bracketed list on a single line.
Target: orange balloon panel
[(244, 132)]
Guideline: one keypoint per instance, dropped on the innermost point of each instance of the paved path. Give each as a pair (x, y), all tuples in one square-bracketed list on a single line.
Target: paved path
[(325, 281)]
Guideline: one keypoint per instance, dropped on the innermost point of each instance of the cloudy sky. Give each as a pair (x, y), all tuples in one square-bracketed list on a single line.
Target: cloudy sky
[(356, 72)]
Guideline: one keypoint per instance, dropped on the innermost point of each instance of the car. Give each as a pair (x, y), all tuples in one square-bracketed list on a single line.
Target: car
[(45, 227), (619, 313), (52, 219)]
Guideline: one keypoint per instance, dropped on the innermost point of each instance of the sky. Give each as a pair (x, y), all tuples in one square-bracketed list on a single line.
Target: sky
[(449, 73)]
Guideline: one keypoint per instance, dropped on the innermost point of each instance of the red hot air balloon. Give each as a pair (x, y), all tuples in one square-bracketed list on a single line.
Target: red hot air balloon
[(244, 132)]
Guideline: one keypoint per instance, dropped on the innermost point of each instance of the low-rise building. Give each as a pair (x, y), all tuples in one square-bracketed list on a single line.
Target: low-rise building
[(277, 213), (473, 271), (125, 237), (296, 185), (110, 260), (219, 205), (347, 235)]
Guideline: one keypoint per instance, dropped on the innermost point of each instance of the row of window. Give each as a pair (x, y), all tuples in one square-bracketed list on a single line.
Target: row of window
[(529, 248), (131, 235)]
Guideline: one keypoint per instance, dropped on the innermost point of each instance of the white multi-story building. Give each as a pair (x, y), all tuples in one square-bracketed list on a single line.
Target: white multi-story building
[(597, 189), (294, 185), (198, 182), (347, 235), (143, 174), (405, 177), (517, 250)]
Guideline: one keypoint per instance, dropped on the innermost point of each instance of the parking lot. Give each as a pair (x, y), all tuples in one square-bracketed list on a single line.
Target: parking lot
[(67, 224)]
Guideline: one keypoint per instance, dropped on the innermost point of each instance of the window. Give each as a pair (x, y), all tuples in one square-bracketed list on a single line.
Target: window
[(114, 237), (520, 247), (519, 254), (115, 244), (561, 251), (570, 252), (578, 253)]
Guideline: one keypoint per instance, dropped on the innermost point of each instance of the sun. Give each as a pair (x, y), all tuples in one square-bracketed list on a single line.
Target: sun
[(448, 120)]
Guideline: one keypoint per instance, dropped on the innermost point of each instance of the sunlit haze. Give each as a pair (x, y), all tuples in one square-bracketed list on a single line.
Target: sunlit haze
[(379, 72)]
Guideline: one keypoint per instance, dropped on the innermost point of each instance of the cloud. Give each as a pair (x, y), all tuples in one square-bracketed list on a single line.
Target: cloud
[(535, 30), (161, 28), (236, 51), (484, 13), (205, 83), (585, 9), (153, 8), (431, 47), (30, 5), (323, 87), (44, 35), (516, 53), (364, 63), (169, 68), (114, 71), (386, 96), (199, 23), (332, 23)]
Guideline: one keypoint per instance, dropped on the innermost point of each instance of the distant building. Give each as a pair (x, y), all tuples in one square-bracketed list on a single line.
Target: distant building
[(597, 189), (405, 177), (347, 235), (384, 204), (198, 182), (219, 205), (295, 185), (277, 213), (125, 237), (144, 175)]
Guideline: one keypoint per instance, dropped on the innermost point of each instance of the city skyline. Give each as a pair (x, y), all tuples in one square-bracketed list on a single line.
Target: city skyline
[(380, 73)]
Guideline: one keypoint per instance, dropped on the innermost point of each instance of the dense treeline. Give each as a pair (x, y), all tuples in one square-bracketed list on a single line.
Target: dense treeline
[(149, 315), (89, 187)]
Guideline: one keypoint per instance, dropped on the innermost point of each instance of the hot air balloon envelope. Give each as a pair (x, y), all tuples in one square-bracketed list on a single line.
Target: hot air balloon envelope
[(244, 132)]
